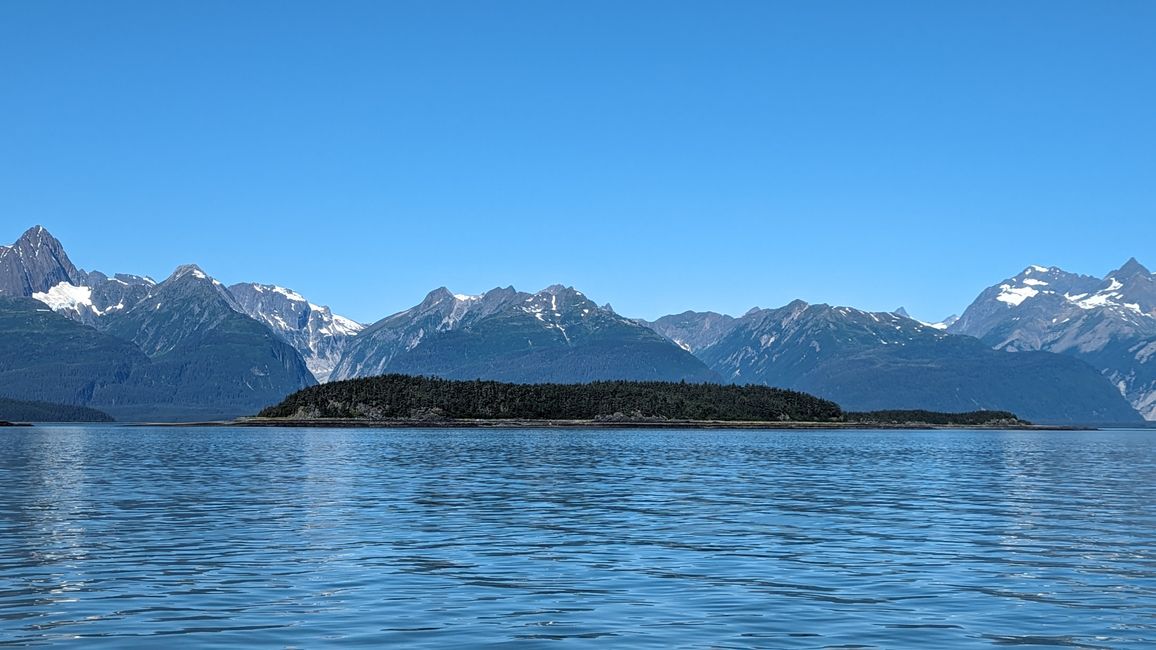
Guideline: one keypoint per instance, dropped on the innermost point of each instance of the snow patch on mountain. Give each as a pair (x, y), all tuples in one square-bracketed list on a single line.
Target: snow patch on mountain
[(66, 297), (1015, 296), (319, 335)]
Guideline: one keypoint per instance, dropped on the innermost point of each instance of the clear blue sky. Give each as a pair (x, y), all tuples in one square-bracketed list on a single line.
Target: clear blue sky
[(660, 156)]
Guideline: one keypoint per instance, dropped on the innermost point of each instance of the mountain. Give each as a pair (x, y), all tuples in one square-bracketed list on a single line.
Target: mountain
[(205, 361), (37, 266), (36, 262), (555, 335), (207, 355), (1108, 322), (692, 330), (875, 361), (189, 347), (319, 335), (181, 349)]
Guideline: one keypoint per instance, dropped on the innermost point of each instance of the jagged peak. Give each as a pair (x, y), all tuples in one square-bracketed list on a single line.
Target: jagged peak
[(1130, 269), (559, 289), (189, 269), (439, 295), (36, 232), (35, 237), (901, 312)]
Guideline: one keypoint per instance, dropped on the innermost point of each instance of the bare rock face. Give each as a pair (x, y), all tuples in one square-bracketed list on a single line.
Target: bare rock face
[(693, 331), (35, 263), (314, 330)]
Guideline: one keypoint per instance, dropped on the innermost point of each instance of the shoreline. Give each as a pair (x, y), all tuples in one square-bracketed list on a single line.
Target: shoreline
[(344, 423)]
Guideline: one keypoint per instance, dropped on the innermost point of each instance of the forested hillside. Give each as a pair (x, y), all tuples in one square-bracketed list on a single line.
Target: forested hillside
[(22, 411), (402, 396)]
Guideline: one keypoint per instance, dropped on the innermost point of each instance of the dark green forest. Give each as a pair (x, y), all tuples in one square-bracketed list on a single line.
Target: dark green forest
[(972, 418), (22, 411), (409, 397)]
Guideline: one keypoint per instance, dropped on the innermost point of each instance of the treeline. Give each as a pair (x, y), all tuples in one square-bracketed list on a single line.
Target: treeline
[(972, 418), (22, 411), (409, 397)]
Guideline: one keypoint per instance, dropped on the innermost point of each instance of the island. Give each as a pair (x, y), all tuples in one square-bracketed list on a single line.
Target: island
[(410, 401)]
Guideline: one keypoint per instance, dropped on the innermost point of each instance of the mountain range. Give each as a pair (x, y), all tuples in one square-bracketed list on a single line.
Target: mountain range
[(869, 361), (555, 335), (189, 347)]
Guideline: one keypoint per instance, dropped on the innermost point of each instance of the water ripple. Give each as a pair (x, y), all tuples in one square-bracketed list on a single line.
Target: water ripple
[(119, 537)]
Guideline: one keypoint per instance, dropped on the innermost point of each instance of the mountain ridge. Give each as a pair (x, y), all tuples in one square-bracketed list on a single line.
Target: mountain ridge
[(554, 335), (242, 335)]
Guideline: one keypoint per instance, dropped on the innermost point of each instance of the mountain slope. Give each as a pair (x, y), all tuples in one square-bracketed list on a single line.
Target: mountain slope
[(47, 357), (874, 361), (693, 330), (556, 335), (208, 358), (1108, 322), (319, 335)]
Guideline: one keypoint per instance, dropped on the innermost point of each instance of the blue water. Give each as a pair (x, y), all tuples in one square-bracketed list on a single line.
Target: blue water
[(130, 537)]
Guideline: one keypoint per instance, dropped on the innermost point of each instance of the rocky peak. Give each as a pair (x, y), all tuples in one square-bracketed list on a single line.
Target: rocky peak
[(188, 270), (1131, 269), (35, 263), (319, 335), (437, 298)]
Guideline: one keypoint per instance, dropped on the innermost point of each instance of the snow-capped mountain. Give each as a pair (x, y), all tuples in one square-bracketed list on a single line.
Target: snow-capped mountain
[(318, 334), (209, 355), (1109, 322), (554, 335), (190, 347), (180, 349), (867, 361), (37, 266)]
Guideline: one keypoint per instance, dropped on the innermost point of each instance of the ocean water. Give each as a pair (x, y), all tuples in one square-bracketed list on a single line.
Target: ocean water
[(137, 537)]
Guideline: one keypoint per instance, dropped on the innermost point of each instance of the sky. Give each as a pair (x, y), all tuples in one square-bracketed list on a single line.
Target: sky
[(660, 156)]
